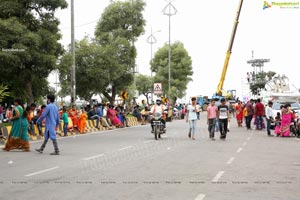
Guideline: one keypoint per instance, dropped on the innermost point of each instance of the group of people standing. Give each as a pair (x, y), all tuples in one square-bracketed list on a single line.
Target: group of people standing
[(217, 117), (282, 120), (252, 112), (257, 111)]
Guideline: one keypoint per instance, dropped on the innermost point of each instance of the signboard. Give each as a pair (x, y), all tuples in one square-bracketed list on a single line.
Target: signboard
[(124, 95), (157, 88)]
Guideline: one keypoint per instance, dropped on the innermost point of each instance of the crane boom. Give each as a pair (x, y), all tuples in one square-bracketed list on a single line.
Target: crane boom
[(228, 53)]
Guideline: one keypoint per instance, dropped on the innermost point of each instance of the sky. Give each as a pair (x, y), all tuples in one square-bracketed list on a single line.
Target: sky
[(204, 27)]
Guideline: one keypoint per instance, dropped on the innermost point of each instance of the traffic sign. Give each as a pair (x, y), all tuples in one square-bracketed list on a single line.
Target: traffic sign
[(157, 88), (124, 95)]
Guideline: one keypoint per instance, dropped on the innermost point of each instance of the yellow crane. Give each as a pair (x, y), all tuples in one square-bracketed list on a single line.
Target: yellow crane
[(220, 91)]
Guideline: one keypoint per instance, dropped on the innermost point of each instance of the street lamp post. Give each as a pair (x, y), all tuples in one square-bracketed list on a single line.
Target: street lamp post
[(169, 10), (152, 40), (73, 79)]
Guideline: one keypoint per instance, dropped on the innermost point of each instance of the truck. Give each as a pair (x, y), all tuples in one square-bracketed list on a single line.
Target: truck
[(203, 101)]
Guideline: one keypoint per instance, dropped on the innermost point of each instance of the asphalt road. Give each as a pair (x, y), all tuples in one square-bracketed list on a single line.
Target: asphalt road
[(129, 164)]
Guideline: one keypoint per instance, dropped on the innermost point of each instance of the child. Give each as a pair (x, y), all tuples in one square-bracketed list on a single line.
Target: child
[(9, 113), (82, 121), (65, 120), (277, 124)]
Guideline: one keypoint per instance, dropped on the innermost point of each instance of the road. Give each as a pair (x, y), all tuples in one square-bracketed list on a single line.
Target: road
[(129, 164)]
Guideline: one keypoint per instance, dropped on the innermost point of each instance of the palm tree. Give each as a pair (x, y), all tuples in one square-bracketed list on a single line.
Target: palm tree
[(3, 92)]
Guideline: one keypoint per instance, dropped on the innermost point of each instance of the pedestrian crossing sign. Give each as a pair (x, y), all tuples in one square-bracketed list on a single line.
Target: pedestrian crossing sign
[(157, 88)]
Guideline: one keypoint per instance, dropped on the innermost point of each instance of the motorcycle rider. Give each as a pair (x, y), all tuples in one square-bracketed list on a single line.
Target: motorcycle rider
[(158, 108)]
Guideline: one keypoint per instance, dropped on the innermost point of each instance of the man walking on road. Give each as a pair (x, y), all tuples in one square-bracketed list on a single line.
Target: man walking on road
[(250, 111), (269, 117), (191, 117), (223, 115), (212, 112), (52, 121), (259, 112)]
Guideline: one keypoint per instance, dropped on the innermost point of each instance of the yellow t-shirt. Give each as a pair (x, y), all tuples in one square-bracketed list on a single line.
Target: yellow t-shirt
[(245, 112)]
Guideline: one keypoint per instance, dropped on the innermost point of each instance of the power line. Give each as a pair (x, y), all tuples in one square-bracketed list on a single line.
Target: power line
[(81, 25)]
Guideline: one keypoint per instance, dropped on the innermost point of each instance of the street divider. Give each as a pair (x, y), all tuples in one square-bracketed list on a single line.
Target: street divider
[(90, 128)]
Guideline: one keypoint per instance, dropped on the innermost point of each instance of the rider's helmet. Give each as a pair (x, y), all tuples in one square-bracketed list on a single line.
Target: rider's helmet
[(158, 101)]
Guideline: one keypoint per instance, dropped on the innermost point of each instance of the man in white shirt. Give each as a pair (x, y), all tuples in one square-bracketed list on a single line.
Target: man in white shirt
[(223, 116), (191, 117), (198, 110), (269, 116)]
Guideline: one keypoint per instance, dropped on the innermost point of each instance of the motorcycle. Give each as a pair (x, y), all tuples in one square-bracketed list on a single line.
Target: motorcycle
[(158, 126)]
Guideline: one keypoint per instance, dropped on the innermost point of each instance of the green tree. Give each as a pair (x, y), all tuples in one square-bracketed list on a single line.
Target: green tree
[(261, 79), (65, 63), (3, 92), (181, 70), (118, 28), (144, 85), (90, 73), (29, 38)]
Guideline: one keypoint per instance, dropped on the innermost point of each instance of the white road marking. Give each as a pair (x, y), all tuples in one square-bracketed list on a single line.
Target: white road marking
[(93, 157), (218, 176), (230, 160), (239, 150), (248, 138), (40, 172), (245, 143), (169, 148), (200, 197), (122, 149)]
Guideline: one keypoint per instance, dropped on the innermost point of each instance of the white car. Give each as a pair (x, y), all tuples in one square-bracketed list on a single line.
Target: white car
[(295, 106)]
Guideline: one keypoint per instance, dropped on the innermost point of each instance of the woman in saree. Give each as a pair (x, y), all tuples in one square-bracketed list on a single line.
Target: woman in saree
[(286, 117), (74, 115), (18, 137), (112, 115), (239, 113)]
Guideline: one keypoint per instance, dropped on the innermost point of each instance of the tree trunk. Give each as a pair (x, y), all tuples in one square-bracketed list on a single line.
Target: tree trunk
[(113, 94), (28, 88), (146, 95), (111, 98)]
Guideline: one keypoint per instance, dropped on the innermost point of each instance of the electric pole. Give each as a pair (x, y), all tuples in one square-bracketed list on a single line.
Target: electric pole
[(73, 72), (169, 10)]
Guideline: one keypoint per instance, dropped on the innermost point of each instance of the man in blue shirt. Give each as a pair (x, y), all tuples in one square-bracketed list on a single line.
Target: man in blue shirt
[(100, 114), (52, 121)]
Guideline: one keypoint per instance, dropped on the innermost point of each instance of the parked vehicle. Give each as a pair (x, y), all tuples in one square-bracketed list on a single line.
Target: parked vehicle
[(295, 107)]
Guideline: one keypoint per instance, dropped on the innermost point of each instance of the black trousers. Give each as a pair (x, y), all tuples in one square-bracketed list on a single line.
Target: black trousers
[(248, 121), (223, 125), (211, 127)]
